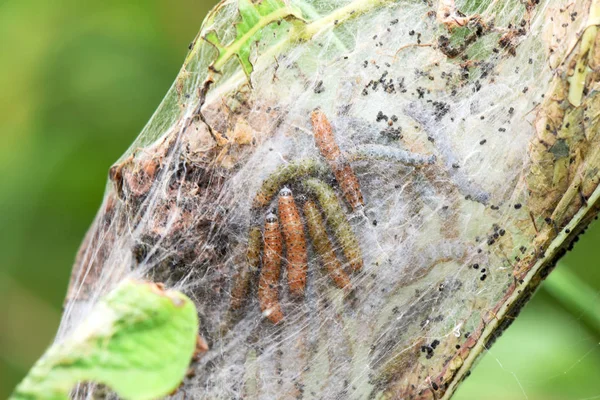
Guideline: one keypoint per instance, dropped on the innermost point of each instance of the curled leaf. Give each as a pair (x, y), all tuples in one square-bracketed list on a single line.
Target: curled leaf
[(138, 341)]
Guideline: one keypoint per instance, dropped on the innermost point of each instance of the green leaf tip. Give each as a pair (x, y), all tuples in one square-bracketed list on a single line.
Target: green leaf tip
[(138, 340), (254, 17)]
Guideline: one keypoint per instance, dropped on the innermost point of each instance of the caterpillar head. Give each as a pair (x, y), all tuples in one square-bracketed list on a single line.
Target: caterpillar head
[(271, 218), (285, 192)]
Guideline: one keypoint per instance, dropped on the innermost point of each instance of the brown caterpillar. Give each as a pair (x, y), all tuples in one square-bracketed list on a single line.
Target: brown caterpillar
[(337, 220), (241, 283), (323, 246), (329, 149), (295, 242), (271, 270)]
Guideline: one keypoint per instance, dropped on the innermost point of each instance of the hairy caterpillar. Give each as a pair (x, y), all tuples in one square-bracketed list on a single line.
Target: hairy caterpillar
[(271, 271), (241, 283), (323, 246), (337, 220), (295, 242), (329, 149), (387, 153), (448, 157), (294, 170)]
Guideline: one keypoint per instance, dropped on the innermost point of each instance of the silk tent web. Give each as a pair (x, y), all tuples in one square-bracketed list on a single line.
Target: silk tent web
[(435, 115)]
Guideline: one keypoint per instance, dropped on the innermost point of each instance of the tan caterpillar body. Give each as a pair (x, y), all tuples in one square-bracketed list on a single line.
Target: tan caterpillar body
[(268, 296), (295, 242), (323, 246), (241, 283), (329, 149)]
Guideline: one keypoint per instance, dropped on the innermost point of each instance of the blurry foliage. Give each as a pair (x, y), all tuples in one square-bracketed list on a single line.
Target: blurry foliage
[(138, 341), (79, 80)]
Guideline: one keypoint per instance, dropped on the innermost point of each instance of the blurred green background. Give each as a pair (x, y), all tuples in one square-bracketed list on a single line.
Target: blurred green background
[(78, 81)]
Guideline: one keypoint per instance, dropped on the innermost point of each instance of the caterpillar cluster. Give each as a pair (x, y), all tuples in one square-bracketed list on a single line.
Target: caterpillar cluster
[(286, 229)]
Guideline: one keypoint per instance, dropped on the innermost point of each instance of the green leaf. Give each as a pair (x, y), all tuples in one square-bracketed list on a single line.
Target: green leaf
[(138, 340), (249, 29)]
